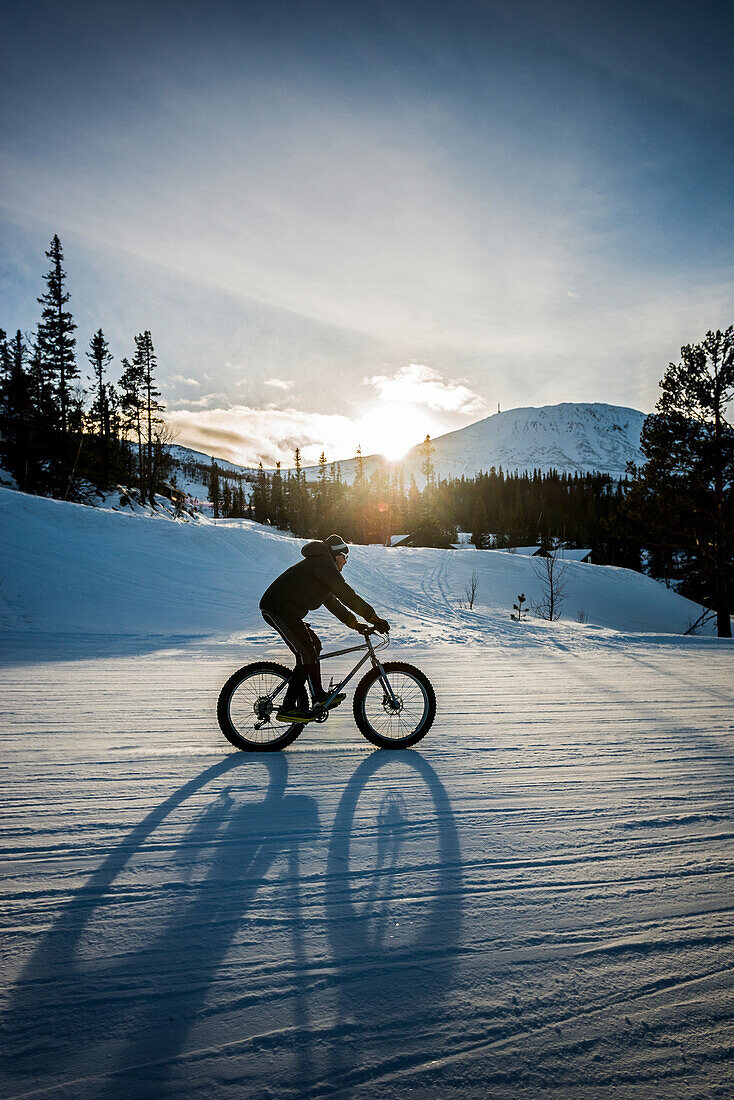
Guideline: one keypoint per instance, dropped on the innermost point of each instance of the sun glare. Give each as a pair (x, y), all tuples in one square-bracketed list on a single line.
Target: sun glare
[(392, 430)]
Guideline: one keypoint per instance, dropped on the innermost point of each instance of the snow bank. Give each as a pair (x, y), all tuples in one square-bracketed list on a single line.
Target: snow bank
[(72, 569)]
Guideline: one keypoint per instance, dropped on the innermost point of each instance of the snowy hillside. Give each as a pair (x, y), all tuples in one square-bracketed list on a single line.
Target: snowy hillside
[(191, 472), (71, 568), (187, 455)]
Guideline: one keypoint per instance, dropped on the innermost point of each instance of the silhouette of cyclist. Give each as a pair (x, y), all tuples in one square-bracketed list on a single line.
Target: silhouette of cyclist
[(314, 582)]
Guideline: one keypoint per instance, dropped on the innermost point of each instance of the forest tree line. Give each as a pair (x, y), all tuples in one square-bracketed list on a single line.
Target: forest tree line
[(61, 438), (498, 509)]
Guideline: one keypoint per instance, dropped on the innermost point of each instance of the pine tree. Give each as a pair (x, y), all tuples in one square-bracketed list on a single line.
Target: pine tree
[(276, 498), (297, 495), (131, 407), (146, 362), (215, 493), (260, 496), (683, 493), (16, 412), (100, 358), (56, 341), (359, 474), (427, 468)]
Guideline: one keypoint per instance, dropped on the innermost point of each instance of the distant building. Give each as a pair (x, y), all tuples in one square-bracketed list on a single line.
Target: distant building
[(463, 541), (535, 551), (564, 553), (571, 554)]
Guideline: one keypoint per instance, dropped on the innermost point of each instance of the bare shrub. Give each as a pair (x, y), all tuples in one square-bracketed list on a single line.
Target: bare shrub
[(707, 616), (470, 591), (551, 572)]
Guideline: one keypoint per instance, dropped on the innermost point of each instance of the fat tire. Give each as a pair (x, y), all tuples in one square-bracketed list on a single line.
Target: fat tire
[(361, 719), (223, 716)]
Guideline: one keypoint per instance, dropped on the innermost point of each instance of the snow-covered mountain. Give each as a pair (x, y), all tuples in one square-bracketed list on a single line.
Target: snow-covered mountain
[(568, 437)]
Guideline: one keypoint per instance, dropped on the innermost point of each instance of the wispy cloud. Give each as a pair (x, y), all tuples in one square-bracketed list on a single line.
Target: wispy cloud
[(183, 381), (278, 384), (247, 435), (207, 401), (417, 384)]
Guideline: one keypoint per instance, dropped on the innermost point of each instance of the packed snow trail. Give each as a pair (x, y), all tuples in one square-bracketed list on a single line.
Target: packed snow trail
[(535, 902)]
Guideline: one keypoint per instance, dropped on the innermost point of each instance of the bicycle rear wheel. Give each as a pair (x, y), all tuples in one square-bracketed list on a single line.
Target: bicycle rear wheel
[(395, 724), (246, 709)]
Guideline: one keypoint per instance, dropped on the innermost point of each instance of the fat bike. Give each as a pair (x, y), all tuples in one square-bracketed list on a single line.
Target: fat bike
[(394, 702)]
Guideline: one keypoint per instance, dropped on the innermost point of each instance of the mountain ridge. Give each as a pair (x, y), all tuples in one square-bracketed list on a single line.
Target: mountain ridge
[(570, 437)]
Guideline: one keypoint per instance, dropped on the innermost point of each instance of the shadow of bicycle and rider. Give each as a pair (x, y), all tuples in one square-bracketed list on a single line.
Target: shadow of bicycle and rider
[(171, 935)]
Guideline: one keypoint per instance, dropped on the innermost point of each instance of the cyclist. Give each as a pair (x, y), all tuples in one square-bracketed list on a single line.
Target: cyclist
[(313, 582)]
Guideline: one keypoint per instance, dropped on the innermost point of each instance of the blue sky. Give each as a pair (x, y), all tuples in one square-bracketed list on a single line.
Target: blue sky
[(346, 222)]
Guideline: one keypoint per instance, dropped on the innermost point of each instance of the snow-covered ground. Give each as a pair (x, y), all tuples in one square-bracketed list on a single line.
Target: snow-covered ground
[(535, 902)]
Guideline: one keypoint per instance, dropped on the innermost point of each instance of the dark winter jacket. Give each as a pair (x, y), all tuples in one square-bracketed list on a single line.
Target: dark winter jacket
[(314, 582)]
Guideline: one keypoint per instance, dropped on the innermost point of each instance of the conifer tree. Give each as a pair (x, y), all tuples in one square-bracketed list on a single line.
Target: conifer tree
[(99, 358), (16, 412), (359, 474), (277, 506), (131, 407), (297, 495), (215, 492), (427, 467), (146, 362), (260, 495), (684, 490), (56, 341)]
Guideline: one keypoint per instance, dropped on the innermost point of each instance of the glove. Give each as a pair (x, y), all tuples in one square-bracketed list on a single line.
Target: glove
[(382, 625), (363, 628)]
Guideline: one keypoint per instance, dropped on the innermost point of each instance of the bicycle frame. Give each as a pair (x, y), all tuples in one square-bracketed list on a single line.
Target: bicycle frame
[(369, 656)]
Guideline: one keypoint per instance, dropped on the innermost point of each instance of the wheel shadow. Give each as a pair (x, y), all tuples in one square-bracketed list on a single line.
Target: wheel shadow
[(394, 897), (62, 1004), (66, 1007)]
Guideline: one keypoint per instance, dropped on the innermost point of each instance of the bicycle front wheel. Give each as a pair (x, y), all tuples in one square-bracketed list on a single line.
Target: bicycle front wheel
[(399, 720), (247, 705)]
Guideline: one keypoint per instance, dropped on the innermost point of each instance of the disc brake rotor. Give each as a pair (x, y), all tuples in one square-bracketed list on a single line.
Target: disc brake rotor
[(392, 708)]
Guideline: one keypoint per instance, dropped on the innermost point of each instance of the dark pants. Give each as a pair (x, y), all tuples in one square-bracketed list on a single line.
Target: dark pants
[(305, 645)]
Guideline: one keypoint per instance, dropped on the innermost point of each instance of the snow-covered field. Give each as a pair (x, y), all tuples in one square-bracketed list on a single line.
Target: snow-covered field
[(535, 902)]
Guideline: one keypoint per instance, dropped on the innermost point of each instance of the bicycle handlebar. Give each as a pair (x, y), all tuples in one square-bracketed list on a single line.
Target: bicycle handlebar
[(367, 629)]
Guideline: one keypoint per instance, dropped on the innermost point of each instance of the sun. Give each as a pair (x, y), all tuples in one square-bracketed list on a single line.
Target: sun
[(391, 430)]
